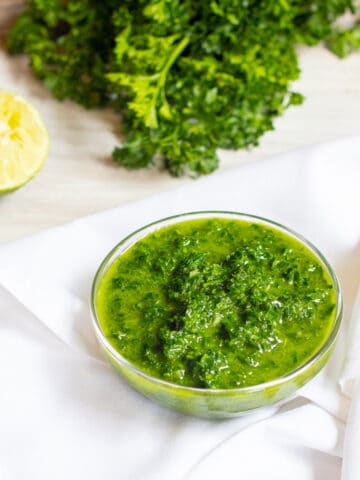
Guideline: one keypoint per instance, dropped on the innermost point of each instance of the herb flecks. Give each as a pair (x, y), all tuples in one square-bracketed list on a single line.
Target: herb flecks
[(216, 304)]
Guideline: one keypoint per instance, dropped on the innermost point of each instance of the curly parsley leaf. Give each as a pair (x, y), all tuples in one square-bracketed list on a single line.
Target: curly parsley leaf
[(344, 42)]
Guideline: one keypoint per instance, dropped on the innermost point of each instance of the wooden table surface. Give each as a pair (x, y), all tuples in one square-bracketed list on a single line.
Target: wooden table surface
[(79, 177)]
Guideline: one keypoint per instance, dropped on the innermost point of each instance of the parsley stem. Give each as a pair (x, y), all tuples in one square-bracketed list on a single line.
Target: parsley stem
[(171, 60), (163, 75)]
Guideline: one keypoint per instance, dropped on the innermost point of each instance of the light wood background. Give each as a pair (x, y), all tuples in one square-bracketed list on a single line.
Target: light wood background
[(80, 179)]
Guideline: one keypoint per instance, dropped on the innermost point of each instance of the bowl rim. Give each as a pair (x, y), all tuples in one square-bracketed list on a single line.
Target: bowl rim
[(126, 243)]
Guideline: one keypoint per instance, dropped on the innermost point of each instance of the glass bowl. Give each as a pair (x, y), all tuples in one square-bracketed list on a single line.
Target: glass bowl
[(214, 403)]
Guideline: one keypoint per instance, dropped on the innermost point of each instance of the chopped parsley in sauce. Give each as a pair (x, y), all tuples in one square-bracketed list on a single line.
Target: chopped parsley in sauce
[(217, 303)]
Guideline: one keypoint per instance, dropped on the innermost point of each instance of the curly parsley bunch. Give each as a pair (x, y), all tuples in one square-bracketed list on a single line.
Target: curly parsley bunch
[(186, 77)]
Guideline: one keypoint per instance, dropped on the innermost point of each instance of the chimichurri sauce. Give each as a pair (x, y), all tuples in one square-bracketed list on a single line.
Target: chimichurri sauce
[(216, 303)]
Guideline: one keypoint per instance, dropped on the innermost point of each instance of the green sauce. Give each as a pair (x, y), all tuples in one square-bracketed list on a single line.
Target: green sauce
[(216, 303)]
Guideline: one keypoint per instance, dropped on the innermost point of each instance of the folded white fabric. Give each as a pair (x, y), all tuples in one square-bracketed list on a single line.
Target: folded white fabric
[(351, 368), (350, 383), (65, 414)]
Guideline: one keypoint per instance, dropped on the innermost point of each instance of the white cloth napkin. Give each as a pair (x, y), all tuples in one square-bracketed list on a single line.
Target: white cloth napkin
[(350, 384), (64, 413)]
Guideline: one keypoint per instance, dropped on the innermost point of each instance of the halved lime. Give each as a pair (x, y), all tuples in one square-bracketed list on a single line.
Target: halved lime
[(24, 141)]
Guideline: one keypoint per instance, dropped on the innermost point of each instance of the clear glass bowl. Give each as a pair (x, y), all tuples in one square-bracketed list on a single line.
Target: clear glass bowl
[(214, 403)]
